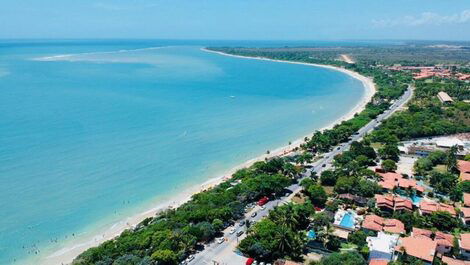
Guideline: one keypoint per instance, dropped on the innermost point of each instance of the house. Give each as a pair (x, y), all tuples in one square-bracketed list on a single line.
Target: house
[(421, 247), (464, 244), (378, 224), (444, 97), (447, 143), (382, 246), (444, 242), (451, 261), (361, 201), (464, 168), (392, 203), (428, 207), (391, 180)]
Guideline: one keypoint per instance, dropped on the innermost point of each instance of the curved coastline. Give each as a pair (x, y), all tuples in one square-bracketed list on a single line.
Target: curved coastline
[(76, 246)]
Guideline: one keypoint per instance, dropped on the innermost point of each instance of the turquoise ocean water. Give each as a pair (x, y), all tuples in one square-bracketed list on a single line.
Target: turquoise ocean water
[(95, 134)]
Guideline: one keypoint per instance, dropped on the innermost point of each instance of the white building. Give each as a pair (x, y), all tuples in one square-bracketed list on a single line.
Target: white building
[(382, 246)]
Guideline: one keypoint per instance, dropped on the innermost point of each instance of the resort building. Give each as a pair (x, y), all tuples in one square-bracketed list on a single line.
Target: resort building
[(391, 180), (464, 168), (444, 97), (444, 242), (428, 207), (421, 247), (378, 224), (382, 247), (464, 244), (392, 203)]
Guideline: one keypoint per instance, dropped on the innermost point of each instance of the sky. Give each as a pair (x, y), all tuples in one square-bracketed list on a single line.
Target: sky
[(236, 19)]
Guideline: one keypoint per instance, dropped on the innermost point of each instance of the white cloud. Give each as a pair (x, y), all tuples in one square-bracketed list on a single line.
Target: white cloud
[(426, 18)]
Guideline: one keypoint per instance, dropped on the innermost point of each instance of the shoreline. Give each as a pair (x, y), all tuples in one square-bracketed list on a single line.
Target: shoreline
[(73, 248)]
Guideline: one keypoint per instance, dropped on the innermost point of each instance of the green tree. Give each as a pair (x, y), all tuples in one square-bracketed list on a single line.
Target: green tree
[(328, 178), (389, 165), (452, 160), (317, 195), (389, 151), (165, 257)]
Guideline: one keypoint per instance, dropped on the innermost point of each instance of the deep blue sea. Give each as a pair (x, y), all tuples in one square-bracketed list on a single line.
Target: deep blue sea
[(92, 131)]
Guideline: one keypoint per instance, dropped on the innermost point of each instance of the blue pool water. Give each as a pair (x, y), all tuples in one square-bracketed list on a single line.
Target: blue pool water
[(347, 221), (107, 129)]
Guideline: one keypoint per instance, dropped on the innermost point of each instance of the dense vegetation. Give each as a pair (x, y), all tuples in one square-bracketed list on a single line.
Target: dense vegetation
[(173, 235)]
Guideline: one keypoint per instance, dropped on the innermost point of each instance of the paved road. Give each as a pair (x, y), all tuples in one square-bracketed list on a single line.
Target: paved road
[(223, 253)]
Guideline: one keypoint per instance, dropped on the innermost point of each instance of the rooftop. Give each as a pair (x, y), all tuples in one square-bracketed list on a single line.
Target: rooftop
[(465, 241), (418, 246), (428, 207), (377, 223), (466, 199)]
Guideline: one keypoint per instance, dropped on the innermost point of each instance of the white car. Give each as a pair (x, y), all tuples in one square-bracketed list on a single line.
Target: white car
[(190, 258), (262, 207), (232, 230), (220, 240)]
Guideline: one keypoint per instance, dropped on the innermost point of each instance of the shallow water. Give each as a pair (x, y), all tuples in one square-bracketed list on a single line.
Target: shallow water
[(96, 134)]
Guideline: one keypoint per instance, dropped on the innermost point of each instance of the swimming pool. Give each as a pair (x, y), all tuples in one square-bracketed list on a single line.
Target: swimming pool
[(347, 221)]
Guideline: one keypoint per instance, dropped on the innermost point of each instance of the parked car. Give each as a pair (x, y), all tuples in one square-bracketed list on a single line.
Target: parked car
[(220, 240), (254, 214), (239, 233), (242, 223), (232, 230)]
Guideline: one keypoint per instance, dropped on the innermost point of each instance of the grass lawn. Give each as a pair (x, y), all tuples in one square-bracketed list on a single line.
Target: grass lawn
[(376, 145), (440, 168)]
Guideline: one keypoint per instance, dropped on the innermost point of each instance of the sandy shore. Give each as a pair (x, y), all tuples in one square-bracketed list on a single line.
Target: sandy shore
[(81, 243)]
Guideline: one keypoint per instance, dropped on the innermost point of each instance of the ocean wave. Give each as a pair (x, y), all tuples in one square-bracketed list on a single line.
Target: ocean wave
[(65, 57)]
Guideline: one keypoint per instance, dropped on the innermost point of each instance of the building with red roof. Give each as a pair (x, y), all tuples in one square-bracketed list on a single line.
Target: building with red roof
[(464, 168), (464, 244), (391, 180), (378, 262), (428, 207), (421, 247), (393, 203), (466, 199), (376, 223), (444, 242)]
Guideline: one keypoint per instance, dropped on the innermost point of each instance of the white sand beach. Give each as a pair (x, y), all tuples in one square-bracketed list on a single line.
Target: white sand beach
[(80, 243)]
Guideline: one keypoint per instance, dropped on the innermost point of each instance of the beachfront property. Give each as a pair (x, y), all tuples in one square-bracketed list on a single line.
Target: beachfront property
[(391, 203), (382, 247), (423, 147), (444, 97), (464, 168), (391, 181), (428, 207), (379, 224), (346, 219), (464, 243)]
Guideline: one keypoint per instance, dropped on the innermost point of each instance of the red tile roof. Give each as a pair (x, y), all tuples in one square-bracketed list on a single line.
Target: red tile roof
[(391, 180), (464, 167), (465, 241), (393, 202), (428, 207), (466, 213), (418, 246), (378, 262), (466, 199), (377, 223)]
